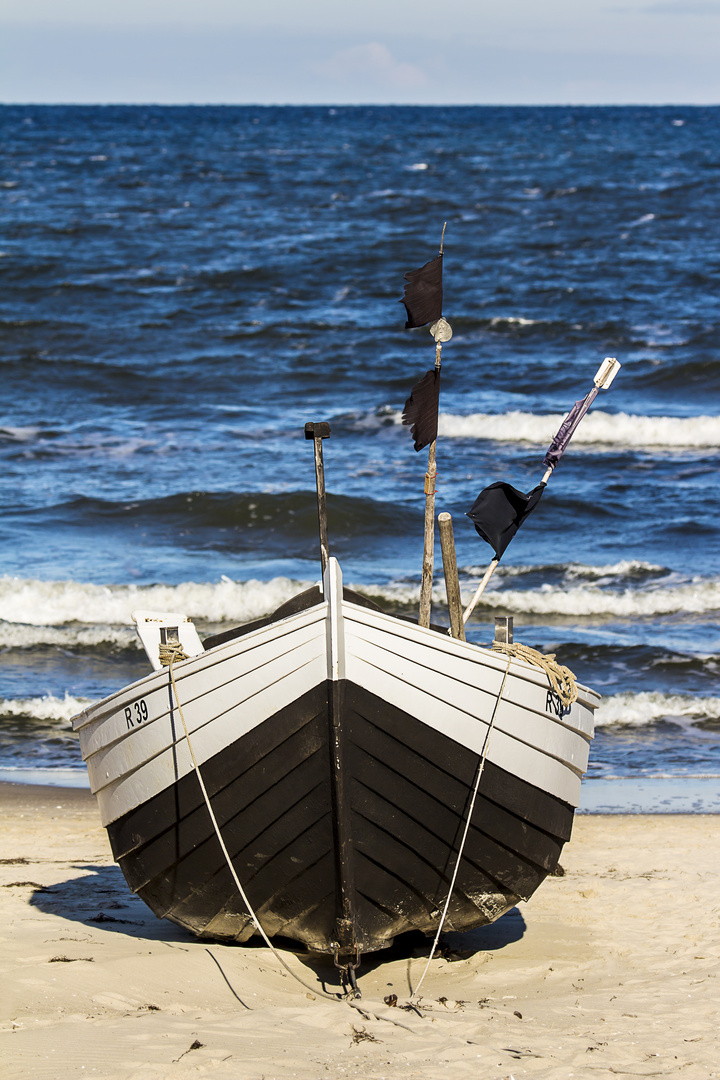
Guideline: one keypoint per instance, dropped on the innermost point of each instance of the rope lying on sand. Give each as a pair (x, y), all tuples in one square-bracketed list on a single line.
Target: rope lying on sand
[(562, 679)]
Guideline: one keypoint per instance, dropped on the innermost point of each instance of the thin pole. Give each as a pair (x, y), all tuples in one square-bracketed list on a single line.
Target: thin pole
[(428, 563), (480, 590), (322, 503), (603, 378), (318, 432), (452, 582)]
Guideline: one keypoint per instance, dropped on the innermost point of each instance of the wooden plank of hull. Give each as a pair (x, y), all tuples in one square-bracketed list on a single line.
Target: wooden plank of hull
[(271, 795)]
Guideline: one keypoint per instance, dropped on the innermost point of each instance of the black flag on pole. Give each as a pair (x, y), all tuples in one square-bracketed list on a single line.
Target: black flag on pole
[(423, 296), (567, 429), (499, 511), (421, 409)]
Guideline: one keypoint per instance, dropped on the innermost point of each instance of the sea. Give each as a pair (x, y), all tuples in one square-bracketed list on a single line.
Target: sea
[(183, 288)]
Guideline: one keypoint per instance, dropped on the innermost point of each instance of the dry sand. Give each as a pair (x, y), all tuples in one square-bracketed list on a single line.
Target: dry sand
[(611, 970)]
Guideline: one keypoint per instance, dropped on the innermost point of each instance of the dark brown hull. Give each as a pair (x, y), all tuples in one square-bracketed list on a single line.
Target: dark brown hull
[(406, 795)]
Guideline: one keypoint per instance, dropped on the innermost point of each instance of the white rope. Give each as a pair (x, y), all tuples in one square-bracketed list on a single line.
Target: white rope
[(256, 922), (562, 679), (481, 767)]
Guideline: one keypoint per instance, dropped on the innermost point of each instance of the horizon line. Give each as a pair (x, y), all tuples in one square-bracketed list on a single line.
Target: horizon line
[(362, 104)]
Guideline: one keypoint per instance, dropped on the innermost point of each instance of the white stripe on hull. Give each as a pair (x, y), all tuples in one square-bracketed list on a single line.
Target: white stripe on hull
[(446, 684), (460, 660), (225, 694), (448, 693)]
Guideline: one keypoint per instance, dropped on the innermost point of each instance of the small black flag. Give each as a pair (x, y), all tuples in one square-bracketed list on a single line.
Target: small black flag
[(421, 409), (423, 296), (499, 511)]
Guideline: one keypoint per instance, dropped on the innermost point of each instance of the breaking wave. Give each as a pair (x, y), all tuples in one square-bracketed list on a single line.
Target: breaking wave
[(67, 613), (639, 710), (598, 429), (56, 603), (47, 708), (699, 597)]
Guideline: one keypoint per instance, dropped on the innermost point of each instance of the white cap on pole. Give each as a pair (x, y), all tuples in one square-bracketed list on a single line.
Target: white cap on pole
[(606, 372)]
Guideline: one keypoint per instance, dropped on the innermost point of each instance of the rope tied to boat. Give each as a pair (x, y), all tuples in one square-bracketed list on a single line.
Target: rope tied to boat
[(562, 679), (468, 820), (174, 653), (172, 657), (169, 653)]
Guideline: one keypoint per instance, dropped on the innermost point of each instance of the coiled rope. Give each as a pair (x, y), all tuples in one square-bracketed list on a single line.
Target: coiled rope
[(562, 679), (168, 654)]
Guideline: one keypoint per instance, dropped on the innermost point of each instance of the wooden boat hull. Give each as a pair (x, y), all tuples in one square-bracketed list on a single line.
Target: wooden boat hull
[(340, 748)]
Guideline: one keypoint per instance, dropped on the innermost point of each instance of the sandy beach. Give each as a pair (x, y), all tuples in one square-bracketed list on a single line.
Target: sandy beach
[(610, 970)]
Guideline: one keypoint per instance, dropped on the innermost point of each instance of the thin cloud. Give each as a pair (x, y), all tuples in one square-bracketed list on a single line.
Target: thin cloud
[(374, 62), (672, 7)]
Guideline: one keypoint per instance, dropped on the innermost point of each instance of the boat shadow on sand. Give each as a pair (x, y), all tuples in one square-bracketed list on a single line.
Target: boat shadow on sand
[(99, 897)]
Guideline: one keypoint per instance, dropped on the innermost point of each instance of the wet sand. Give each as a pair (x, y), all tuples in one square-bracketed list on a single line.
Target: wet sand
[(610, 970)]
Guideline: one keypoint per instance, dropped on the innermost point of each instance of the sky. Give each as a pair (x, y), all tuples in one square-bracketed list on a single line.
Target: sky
[(360, 51)]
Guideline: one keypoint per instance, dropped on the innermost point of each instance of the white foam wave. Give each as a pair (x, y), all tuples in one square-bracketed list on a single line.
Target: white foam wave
[(574, 571), (597, 429), (67, 613), (56, 603), (44, 708), (638, 710), (22, 636), (513, 320), (697, 598), (624, 568), (20, 434)]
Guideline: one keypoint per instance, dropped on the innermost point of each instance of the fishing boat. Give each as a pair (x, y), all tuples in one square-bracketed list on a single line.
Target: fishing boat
[(339, 747), (335, 774)]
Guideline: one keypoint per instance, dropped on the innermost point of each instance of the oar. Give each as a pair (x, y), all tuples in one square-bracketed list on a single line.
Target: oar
[(604, 376)]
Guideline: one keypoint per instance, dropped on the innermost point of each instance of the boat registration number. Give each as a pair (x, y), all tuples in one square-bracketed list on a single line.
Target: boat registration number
[(136, 714), (554, 705)]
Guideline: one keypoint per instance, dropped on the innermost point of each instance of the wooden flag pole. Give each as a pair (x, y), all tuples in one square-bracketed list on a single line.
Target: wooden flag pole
[(603, 377), (441, 331), (428, 563), (480, 590)]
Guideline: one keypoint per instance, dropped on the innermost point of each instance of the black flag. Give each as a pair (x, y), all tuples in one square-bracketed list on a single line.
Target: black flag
[(423, 294), (421, 409), (499, 511)]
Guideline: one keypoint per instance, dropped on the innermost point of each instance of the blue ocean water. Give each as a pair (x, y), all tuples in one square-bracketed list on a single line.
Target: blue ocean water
[(182, 288)]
